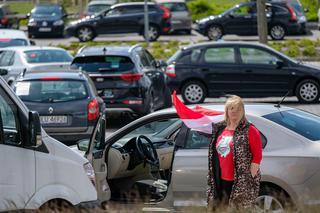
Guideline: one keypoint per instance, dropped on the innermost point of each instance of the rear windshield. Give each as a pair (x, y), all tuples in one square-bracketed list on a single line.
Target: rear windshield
[(303, 123), (8, 42), (103, 63), (175, 7), (47, 56), (51, 91)]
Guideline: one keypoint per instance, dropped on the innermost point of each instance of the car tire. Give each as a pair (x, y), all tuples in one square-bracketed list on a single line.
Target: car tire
[(167, 98), (154, 33), (193, 92), (272, 200), (214, 32), (308, 91), (85, 34), (277, 32)]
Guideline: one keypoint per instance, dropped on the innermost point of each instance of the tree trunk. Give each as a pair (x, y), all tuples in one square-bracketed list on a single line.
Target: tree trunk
[(262, 21)]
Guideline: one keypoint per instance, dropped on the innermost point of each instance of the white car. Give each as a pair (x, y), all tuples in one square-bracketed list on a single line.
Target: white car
[(158, 161), (36, 169), (24, 59), (9, 38)]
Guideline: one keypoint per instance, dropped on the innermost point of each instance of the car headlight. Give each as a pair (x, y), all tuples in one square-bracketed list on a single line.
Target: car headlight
[(302, 19), (58, 23), (90, 173), (32, 23)]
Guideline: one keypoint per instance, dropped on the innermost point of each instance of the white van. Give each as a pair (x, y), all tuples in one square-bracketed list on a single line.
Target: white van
[(12, 38), (37, 169)]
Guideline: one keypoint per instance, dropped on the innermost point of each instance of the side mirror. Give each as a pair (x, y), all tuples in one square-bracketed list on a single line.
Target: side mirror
[(279, 64), (231, 15), (3, 71), (28, 15), (32, 42), (161, 64), (34, 127), (83, 145)]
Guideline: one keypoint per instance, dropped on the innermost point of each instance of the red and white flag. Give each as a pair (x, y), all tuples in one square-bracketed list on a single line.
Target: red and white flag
[(198, 118)]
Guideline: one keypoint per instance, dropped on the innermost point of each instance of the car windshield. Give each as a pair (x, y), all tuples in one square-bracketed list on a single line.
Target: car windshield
[(97, 8), (51, 91), (8, 42), (302, 123), (44, 11), (103, 63), (47, 56)]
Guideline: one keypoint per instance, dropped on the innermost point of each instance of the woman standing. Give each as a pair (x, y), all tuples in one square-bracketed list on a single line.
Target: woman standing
[(235, 153)]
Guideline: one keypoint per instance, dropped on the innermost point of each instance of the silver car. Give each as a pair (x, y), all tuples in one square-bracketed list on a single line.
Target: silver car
[(158, 160), (31, 58), (180, 14)]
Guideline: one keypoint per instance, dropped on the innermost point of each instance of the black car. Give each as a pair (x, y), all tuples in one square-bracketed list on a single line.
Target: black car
[(9, 19), (47, 20), (122, 18), (247, 69), (127, 78), (242, 20), (67, 102)]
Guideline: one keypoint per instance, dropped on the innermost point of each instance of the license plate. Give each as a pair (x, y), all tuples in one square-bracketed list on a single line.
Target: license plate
[(54, 119), (45, 29), (108, 93)]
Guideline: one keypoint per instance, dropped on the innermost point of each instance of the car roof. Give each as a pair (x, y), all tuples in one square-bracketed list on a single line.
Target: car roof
[(170, 1), (94, 2), (251, 109), (63, 74), (225, 43), (132, 4), (110, 50), (48, 4), (10, 33), (24, 48)]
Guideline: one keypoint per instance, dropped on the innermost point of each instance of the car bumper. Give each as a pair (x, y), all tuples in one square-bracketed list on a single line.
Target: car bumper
[(49, 30), (297, 28), (181, 25), (70, 31), (200, 29), (119, 106)]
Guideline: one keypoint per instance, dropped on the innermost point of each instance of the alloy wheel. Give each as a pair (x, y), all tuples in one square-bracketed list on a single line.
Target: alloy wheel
[(214, 33), (277, 32), (193, 93), (308, 91), (85, 34), (153, 33), (267, 203)]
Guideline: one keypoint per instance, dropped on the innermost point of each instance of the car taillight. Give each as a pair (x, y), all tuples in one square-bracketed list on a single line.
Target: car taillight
[(4, 20), (170, 70), (292, 13), (131, 76), (93, 110), (166, 12)]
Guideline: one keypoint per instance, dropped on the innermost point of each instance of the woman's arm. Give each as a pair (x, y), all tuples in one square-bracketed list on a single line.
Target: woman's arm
[(255, 149)]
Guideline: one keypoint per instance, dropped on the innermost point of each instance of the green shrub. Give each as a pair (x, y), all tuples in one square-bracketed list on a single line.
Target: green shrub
[(306, 42), (200, 9), (276, 45), (293, 51), (310, 51), (312, 6)]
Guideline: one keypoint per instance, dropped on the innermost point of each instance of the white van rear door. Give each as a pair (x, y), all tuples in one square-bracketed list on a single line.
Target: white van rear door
[(96, 157)]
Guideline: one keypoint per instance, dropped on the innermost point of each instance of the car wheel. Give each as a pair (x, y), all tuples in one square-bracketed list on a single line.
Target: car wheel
[(214, 32), (154, 33), (308, 91), (272, 200), (277, 32), (85, 34), (193, 92)]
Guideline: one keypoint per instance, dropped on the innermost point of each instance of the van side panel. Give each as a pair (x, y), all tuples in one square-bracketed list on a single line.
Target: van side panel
[(17, 177)]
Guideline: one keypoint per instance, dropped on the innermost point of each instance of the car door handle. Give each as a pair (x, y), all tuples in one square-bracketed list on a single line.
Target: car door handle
[(248, 71)]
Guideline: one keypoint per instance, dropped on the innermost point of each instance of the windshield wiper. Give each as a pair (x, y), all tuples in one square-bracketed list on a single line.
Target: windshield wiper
[(107, 69)]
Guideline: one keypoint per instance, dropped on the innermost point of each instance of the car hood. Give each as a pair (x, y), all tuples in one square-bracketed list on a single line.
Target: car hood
[(46, 18), (85, 19), (209, 18), (314, 68), (49, 66)]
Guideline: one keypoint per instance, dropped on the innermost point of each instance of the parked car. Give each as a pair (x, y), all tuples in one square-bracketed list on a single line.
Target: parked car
[(9, 38), (37, 170), (47, 20), (18, 59), (180, 15), (247, 69), (127, 78), (95, 7), (162, 163), (282, 20), (122, 18), (9, 19), (67, 102)]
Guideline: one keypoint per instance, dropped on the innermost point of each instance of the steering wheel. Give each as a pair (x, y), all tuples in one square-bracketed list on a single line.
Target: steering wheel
[(146, 150)]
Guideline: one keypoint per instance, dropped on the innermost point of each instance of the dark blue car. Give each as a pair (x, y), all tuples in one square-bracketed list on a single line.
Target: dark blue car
[(67, 102)]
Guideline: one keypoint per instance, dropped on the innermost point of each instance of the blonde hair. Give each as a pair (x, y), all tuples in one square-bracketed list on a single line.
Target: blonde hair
[(233, 101)]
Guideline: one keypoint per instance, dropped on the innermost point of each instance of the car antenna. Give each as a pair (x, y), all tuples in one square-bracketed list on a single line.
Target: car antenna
[(23, 72), (278, 105), (104, 51)]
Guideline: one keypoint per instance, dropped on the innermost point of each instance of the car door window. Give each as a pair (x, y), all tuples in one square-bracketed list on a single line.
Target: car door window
[(192, 56), (144, 62), (9, 119), (6, 58), (244, 10), (257, 56), (150, 58), (220, 55), (114, 12)]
